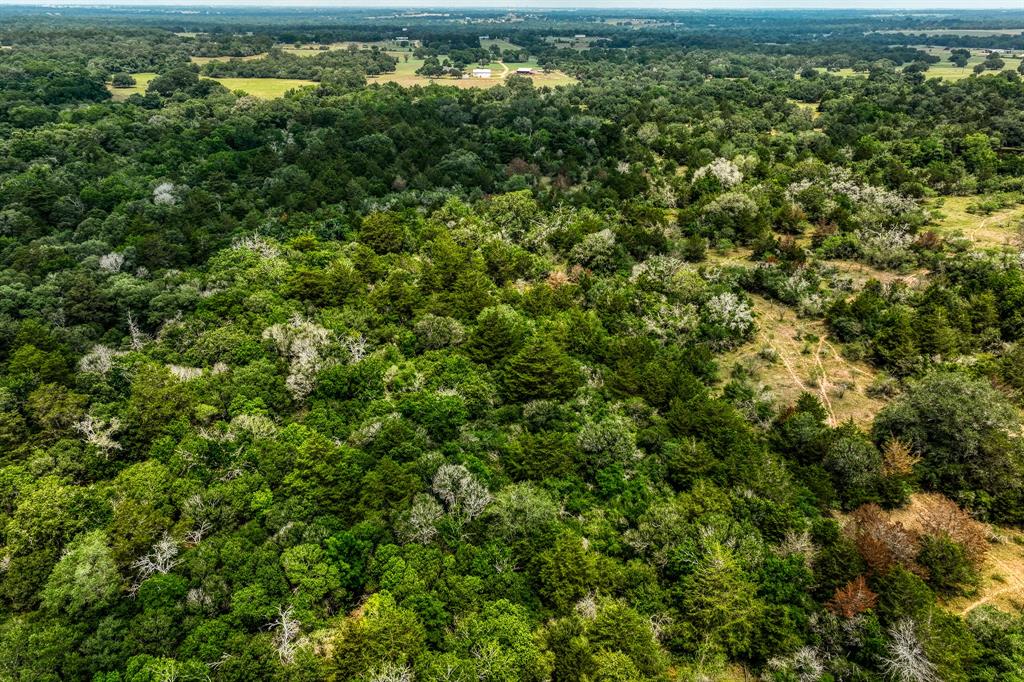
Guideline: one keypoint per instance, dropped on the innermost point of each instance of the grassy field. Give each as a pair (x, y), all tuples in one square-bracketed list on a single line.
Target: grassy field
[(998, 229), (944, 69), (264, 88), (811, 107), (141, 82), (947, 71), (404, 74), (570, 42), (502, 44), (790, 355)]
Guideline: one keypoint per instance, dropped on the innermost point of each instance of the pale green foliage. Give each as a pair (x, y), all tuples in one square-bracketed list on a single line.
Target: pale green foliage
[(86, 576)]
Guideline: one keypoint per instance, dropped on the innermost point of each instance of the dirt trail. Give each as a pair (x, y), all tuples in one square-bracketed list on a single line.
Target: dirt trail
[(1007, 562), (808, 362), (823, 383)]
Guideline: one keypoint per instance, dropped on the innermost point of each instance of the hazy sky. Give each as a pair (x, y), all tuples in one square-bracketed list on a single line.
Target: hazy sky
[(548, 4)]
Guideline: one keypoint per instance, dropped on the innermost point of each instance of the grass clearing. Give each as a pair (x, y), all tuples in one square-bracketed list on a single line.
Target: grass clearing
[(1002, 576), (861, 273), (404, 73), (264, 88), (812, 107), (141, 83), (790, 355), (951, 72), (996, 230), (393, 47), (574, 42), (500, 42)]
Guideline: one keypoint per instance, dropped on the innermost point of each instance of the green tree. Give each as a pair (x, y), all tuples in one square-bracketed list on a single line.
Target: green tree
[(540, 370), (384, 231), (968, 438), (85, 578)]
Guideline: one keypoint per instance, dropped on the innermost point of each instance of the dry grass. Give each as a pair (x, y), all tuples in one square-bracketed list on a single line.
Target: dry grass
[(791, 356), (860, 273), (1002, 583)]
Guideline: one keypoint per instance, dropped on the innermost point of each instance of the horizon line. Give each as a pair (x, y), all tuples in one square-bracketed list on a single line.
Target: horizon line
[(1012, 6)]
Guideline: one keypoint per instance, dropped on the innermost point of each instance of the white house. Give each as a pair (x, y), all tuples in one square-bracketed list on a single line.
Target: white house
[(524, 70), (481, 73)]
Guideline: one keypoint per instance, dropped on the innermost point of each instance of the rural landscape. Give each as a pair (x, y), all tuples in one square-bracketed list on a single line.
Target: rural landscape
[(489, 345)]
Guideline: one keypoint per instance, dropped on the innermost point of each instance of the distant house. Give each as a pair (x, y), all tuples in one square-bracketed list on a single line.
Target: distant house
[(580, 36), (524, 70), (481, 73), (485, 37)]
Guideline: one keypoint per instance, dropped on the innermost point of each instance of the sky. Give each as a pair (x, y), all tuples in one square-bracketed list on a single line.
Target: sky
[(563, 4)]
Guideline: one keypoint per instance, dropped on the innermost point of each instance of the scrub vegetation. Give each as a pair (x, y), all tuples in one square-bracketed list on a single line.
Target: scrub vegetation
[(683, 357)]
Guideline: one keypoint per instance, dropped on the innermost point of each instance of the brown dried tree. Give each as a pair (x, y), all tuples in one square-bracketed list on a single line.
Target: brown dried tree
[(941, 517), (897, 458), (852, 599), (883, 543)]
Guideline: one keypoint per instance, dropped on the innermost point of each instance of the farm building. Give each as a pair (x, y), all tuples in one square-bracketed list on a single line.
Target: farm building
[(524, 70), (481, 73)]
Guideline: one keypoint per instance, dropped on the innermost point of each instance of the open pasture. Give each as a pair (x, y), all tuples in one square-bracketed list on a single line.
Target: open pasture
[(264, 88), (141, 83), (1000, 228)]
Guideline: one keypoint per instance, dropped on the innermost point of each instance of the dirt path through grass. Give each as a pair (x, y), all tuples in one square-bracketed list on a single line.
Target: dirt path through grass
[(790, 355)]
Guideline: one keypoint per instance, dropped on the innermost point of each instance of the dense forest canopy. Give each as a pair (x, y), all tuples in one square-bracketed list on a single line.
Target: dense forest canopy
[(388, 383)]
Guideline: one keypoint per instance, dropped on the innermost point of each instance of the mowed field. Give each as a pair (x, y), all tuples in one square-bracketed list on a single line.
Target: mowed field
[(264, 88), (141, 83)]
